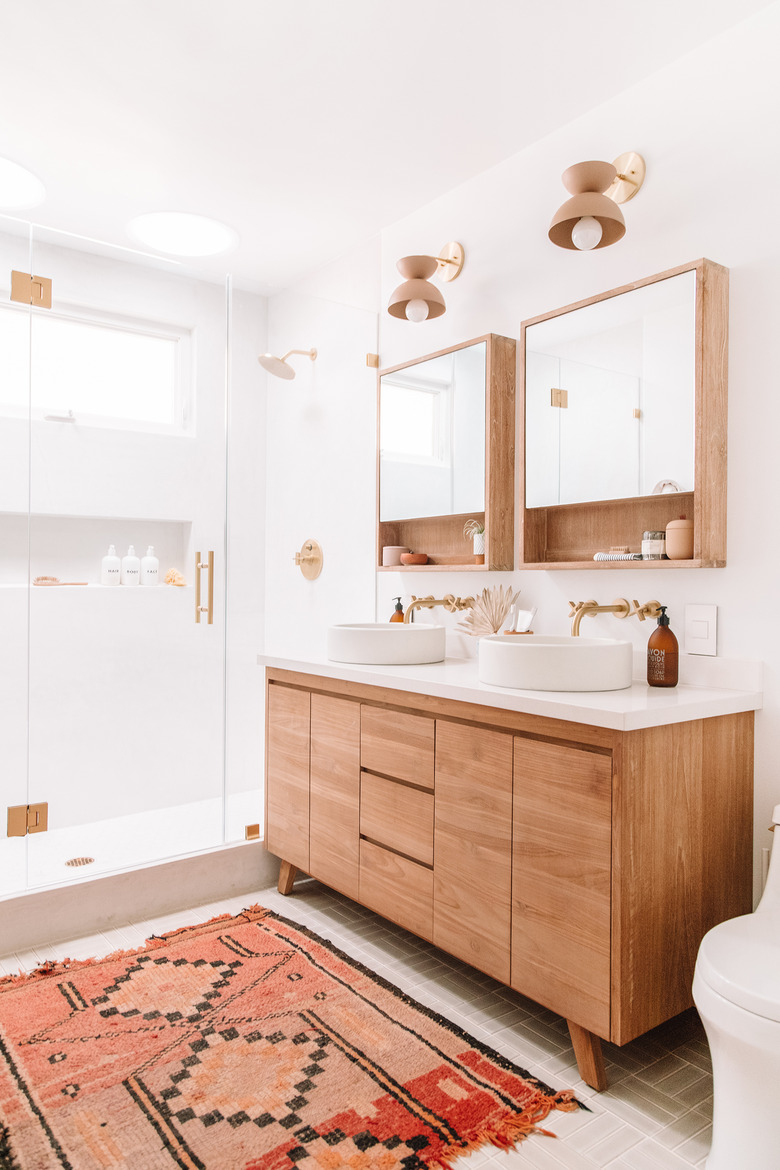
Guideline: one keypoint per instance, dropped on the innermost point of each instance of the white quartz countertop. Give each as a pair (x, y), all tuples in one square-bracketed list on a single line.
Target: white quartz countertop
[(456, 678)]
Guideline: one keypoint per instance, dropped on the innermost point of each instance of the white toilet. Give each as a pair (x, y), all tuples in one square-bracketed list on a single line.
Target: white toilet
[(736, 988)]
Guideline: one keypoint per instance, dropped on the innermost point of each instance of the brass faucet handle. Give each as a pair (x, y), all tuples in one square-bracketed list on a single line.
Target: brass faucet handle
[(649, 609)]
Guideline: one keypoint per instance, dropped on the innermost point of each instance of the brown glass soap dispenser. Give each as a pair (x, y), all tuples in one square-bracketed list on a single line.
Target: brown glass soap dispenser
[(398, 613), (662, 654)]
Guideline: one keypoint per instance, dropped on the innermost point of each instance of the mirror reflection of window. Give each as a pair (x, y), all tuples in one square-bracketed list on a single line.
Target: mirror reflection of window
[(413, 422), (432, 436)]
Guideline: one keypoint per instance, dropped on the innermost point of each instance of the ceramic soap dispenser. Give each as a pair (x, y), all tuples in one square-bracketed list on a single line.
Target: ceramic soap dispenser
[(662, 654), (131, 568)]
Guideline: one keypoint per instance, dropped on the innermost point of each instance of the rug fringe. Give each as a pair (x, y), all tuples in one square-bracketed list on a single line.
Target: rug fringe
[(54, 967), (507, 1133)]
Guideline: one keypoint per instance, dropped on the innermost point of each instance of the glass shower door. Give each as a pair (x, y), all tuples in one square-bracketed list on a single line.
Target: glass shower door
[(14, 548), (126, 681)]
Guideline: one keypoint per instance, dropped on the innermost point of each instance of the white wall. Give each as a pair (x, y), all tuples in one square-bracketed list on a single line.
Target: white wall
[(702, 125), (322, 455)]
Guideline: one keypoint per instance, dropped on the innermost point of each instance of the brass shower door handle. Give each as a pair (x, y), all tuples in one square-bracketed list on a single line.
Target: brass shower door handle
[(200, 610)]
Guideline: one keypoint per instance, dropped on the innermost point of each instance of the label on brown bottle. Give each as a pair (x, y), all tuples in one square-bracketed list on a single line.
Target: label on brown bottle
[(661, 667)]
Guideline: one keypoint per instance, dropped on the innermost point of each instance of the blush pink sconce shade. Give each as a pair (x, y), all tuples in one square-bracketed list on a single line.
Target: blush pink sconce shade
[(417, 299), (591, 218)]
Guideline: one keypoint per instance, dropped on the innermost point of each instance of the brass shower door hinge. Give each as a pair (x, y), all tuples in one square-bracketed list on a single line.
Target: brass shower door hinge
[(559, 398), (27, 818), (31, 290)]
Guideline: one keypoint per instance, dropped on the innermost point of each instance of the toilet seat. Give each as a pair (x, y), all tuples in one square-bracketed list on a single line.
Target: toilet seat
[(740, 960)]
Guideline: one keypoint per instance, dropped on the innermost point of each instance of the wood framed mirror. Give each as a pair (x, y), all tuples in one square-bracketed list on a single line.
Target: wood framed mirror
[(445, 455), (624, 422)]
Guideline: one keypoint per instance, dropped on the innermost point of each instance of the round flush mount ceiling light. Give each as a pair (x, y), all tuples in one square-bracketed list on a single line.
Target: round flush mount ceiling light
[(19, 187), (181, 234)]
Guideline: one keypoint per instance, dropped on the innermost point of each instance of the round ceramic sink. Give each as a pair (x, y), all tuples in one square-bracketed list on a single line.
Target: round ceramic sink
[(386, 643), (533, 662)]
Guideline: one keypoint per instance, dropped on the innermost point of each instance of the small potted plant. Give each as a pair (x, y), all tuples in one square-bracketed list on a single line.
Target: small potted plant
[(474, 530)]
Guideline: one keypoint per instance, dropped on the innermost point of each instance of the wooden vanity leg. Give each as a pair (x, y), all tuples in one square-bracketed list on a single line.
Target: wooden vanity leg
[(590, 1058), (286, 877)]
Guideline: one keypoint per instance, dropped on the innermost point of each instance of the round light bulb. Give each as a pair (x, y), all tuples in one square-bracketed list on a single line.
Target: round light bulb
[(417, 310), (586, 233)]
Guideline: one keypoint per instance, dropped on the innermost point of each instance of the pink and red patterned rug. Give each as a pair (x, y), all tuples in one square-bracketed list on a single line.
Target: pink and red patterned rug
[(246, 1042)]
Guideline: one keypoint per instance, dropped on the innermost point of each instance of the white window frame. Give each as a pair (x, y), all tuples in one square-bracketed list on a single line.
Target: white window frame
[(183, 372), (441, 392)]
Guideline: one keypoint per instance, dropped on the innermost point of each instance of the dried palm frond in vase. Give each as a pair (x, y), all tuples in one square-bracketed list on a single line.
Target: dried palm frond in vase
[(488, 612)]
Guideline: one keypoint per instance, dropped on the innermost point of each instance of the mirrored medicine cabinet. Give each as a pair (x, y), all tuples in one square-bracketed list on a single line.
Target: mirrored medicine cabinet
[(446, 455), (624, 408)]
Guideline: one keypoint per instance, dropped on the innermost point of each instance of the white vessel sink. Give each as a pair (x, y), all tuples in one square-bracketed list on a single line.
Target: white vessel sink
[(386, 643), (533, 662)]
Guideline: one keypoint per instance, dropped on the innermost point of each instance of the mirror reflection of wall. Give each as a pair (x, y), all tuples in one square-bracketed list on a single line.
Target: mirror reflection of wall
[(625, 421), (432, 436)]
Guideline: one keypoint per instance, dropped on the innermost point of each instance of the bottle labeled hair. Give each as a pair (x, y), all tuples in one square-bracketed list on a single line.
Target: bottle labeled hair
[(110, 568), (662, 654)]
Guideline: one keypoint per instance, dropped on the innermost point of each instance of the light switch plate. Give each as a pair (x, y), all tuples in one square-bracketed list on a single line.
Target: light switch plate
[(701, 629)]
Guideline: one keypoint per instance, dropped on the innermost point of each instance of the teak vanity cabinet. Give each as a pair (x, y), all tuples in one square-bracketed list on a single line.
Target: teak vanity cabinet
[(579, 865)]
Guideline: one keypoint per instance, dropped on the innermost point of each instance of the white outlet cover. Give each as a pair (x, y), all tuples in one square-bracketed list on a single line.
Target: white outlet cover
[(701, 629)]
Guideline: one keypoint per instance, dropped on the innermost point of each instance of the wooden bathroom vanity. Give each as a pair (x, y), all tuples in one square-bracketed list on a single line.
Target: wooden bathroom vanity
[(578, 860)]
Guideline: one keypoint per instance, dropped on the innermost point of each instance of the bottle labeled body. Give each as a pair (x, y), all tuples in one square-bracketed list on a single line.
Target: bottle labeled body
[(131, 568), (662, 655), (150, 567), (110, 568)]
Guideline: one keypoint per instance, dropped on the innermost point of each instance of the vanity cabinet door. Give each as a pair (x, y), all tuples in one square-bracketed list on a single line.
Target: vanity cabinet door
[(561, 880), (287, 774), (334, 793), (473, 846)]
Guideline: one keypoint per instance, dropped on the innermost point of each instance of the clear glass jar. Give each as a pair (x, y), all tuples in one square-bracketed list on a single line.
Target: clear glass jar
[(653, 546)]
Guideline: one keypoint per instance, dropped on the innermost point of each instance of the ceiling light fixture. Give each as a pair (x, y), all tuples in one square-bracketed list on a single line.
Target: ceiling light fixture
[(417, 299), (19, 187), (279, 366), (181, 234), (591, 218)]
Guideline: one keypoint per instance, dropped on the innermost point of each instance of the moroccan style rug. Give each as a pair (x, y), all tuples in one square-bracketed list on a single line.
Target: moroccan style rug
[(247, 1042)]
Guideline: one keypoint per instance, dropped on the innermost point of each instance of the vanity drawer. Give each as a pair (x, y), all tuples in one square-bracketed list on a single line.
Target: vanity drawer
[(397, 744), (397, 816), (397, 888)]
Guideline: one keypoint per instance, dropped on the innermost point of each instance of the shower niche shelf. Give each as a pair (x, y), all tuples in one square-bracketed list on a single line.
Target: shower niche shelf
[(72, 547)]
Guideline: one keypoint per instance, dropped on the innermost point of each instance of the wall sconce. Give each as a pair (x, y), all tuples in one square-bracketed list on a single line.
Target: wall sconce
[(279, 366), (417, 299), (591, 218)]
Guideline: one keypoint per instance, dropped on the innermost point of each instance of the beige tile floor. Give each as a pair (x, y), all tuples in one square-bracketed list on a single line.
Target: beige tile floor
[(654, 1116)]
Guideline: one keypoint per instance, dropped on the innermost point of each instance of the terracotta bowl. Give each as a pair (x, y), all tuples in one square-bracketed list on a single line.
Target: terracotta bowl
[(414, 558)]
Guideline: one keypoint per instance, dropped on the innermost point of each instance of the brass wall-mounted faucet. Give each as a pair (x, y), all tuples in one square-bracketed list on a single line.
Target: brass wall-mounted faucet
[(620, 607), (451, 603)]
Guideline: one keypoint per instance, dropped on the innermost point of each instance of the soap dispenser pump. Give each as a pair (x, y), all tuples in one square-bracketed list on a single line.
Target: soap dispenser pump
[(110, 567), (398, 614), (131, 568), (150, 567), (662, 654)]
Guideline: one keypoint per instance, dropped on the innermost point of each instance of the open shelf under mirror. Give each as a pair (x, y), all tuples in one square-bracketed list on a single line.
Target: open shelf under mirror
[(488, 414), (566, 535)]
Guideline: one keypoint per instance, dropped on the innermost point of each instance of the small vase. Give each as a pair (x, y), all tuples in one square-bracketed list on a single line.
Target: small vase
[(479, 548)]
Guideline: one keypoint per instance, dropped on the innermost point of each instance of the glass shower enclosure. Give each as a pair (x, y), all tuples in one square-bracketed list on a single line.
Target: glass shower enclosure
[(114, 400)]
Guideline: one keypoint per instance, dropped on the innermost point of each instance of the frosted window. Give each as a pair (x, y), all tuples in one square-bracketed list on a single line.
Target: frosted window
[(106, 374)]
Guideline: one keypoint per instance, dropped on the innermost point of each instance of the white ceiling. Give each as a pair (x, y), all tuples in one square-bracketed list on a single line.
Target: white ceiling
[(307, 125)]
